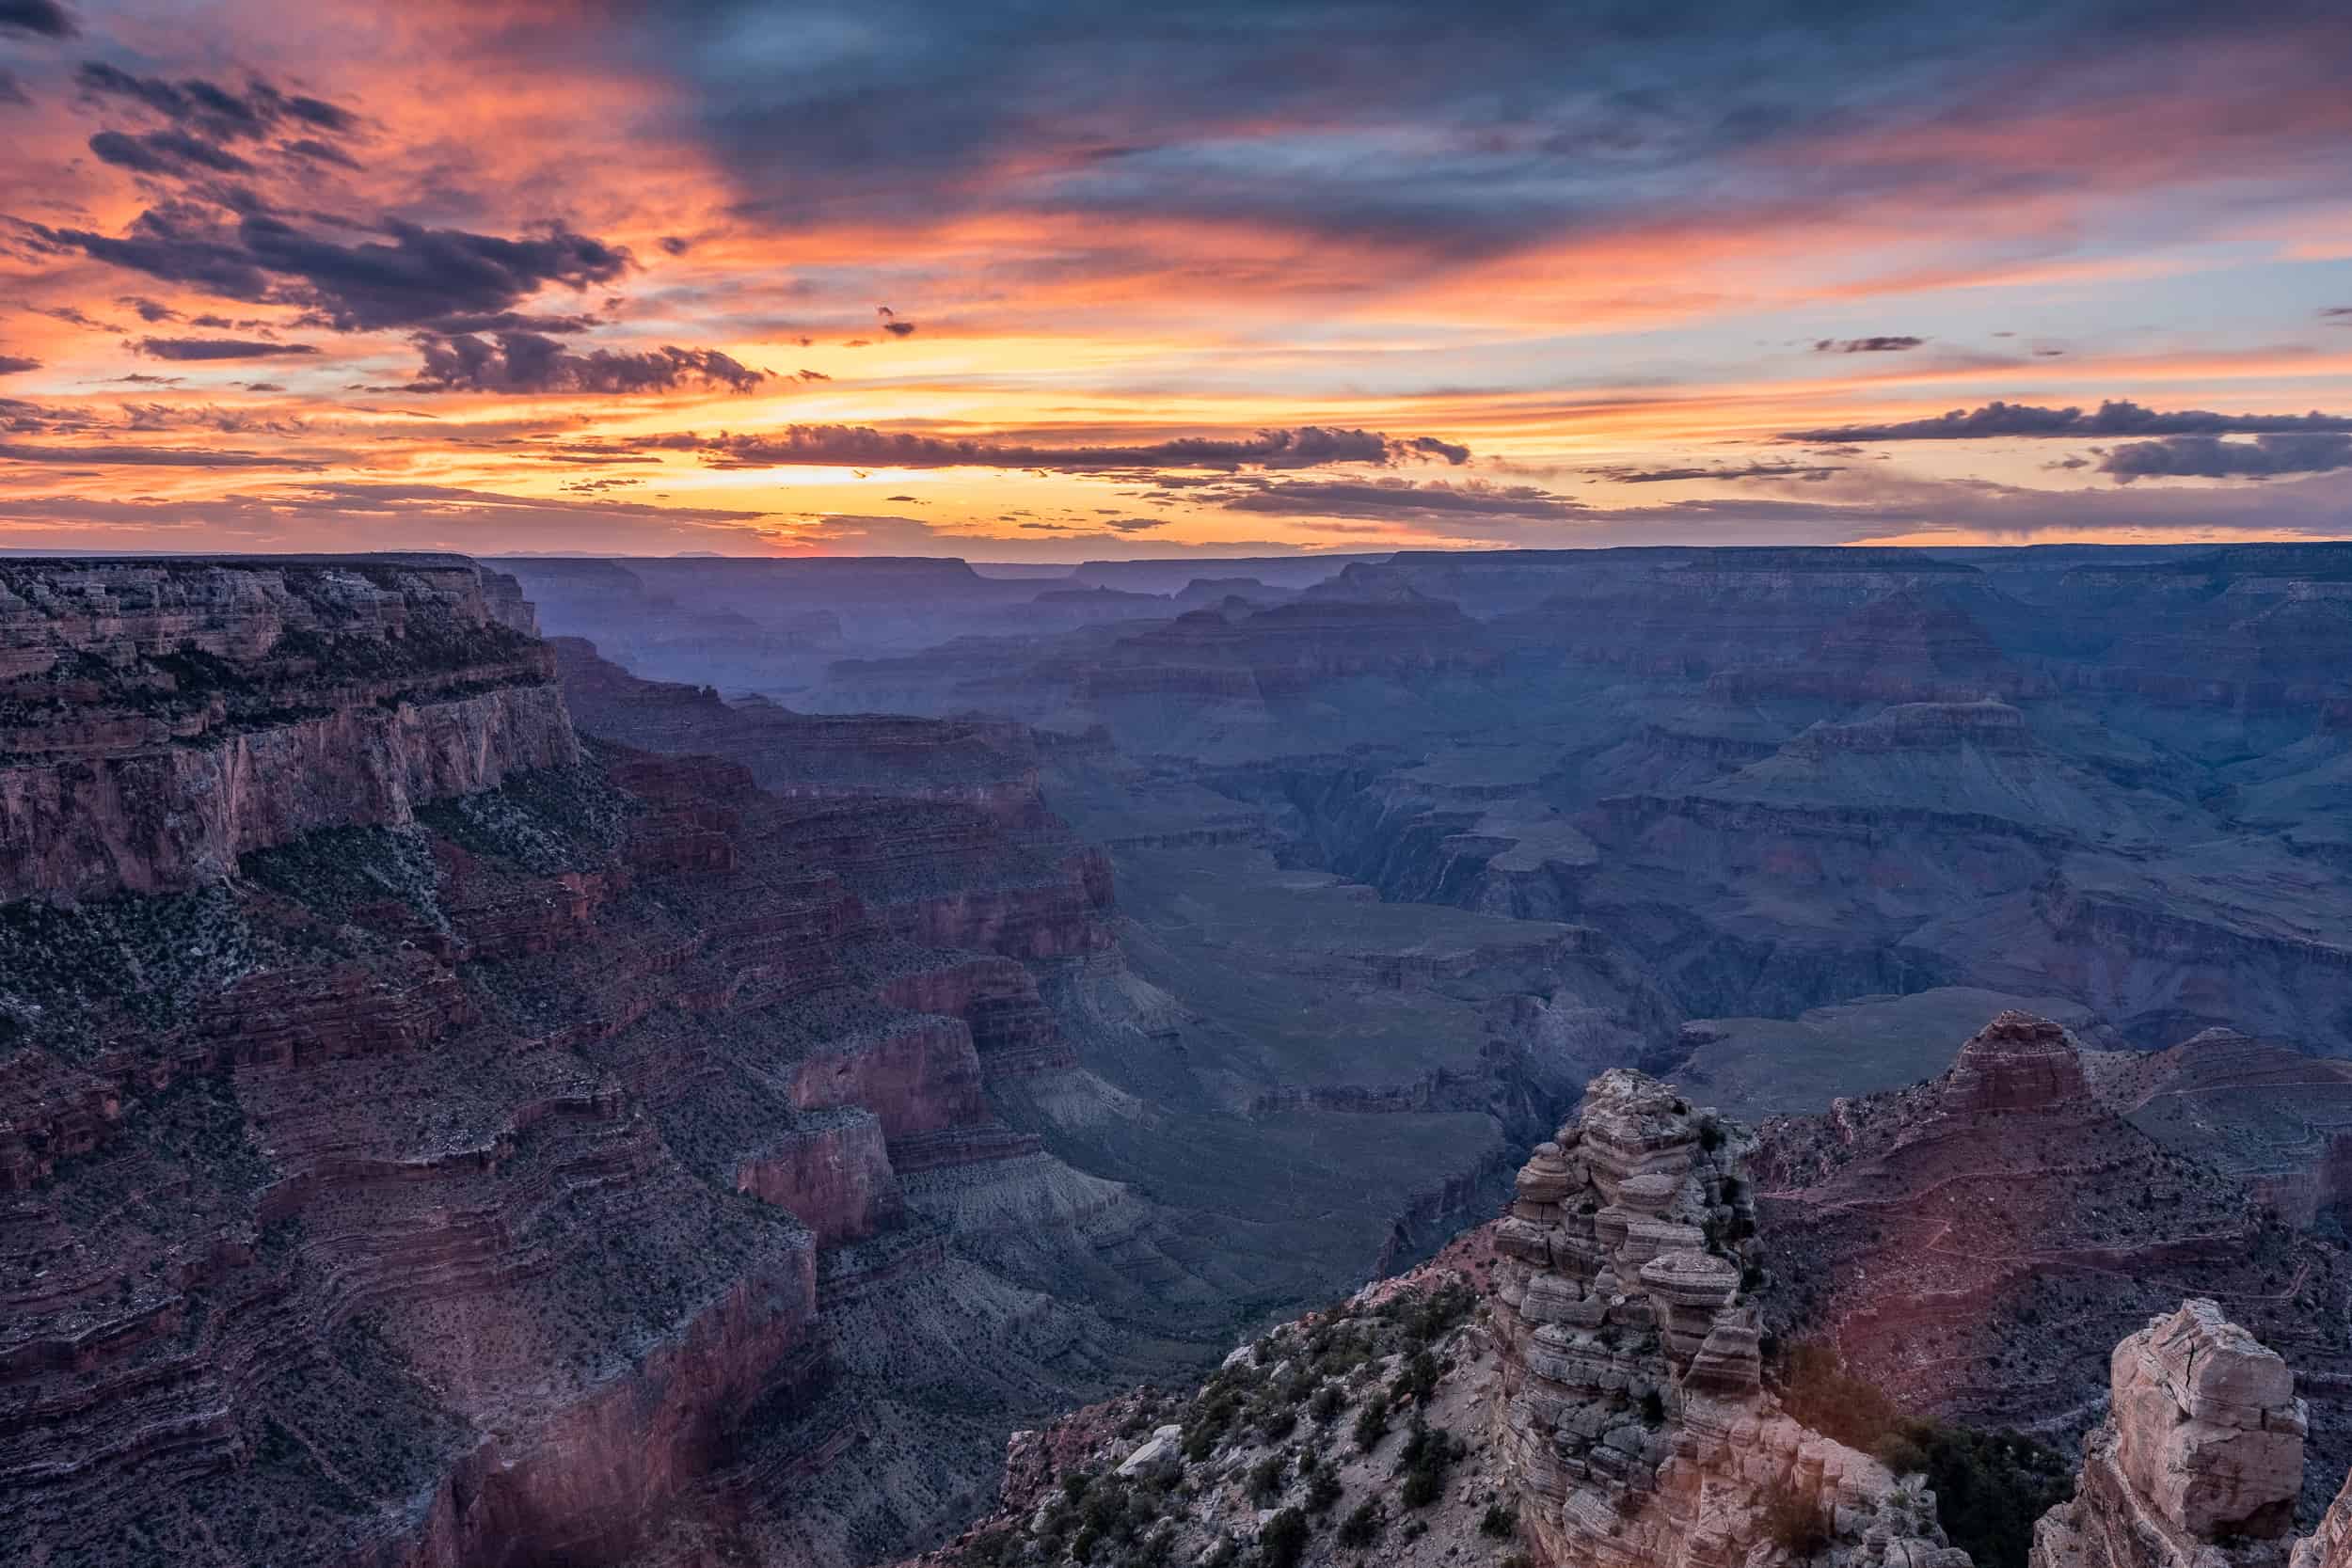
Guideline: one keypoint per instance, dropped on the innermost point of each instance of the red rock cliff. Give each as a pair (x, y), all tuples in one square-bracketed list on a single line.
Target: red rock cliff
[(160, 718)]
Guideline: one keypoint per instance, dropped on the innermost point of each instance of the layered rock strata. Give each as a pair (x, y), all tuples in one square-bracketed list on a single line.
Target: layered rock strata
[(160, 718), (1975, 1245), (423, 1173), (1630, 1407), (2198, 1461)]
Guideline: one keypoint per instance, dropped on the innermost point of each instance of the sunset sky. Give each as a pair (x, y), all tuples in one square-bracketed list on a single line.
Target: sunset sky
[(1053, 280)]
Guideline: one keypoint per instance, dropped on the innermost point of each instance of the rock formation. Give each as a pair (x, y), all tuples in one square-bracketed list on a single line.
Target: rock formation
[(1976, 1244), (2198, 1461), (1631, 1414), (160, 718), (431, 1140), (2017, 1063)]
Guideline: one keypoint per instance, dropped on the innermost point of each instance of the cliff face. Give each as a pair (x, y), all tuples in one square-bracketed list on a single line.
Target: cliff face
[(2200, 1459), (449, 1143), (1976, 1244), (158, 719), (1629, 1404)]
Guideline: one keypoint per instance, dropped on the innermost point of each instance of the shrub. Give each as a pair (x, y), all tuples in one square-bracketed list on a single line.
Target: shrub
[(1989, 1488), (1283, 1541), (1363, 1527), (1499, 1522), (1797, 1524), (1429, 1453), (1372, 1422), (1416, 1380), (1323, 1491)]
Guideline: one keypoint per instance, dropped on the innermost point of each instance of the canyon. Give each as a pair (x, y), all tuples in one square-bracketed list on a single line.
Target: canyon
[(1603, 1378), (669, 1062)]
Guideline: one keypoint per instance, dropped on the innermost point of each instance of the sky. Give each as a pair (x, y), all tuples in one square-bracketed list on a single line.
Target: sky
[(1069, 279)]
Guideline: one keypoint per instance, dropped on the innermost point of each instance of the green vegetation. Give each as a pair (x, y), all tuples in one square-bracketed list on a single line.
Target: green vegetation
[(1363, 1525), (1283, 1541), (1372, 1422), (1989, 1487), (1105, 1521), (1429, 1453), (1268, 1477), (1796, 1524), (546, 820)]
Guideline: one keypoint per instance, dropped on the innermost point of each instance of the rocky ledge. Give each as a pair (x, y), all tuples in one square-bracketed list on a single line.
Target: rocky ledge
[(1632, 1415), (1600, 1405), (2198, 1461), (1976, 1245), (158, 719)]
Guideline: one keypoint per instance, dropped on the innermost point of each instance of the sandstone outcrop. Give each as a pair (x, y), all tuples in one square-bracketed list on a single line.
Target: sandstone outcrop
[(2017, 1063), (2200, 1459), (1630, 1408)]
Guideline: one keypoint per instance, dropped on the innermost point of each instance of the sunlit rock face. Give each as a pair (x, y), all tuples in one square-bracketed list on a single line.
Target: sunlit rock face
[(1976, 1244), (160, 718), (2200, 1459), (1629, 1407), (2017, 1063)]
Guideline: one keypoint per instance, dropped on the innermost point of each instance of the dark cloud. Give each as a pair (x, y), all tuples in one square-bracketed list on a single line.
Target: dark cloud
[(1750, 471), (1293, 114), (1397, 499), (42, 19), (115, 454), (1134, 525), (2206, 457), (217, 348), (149, 417), (515, 321), (861, 446), (2341, 314), (71, 315), (2120, 419), (1865, 345), (324, 515), (317, 152), (164, 153), (12, 91), (676, 245), (152, 311), (20, 418), (215, 112), (13, 364), (528, 362), (415, 277)]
